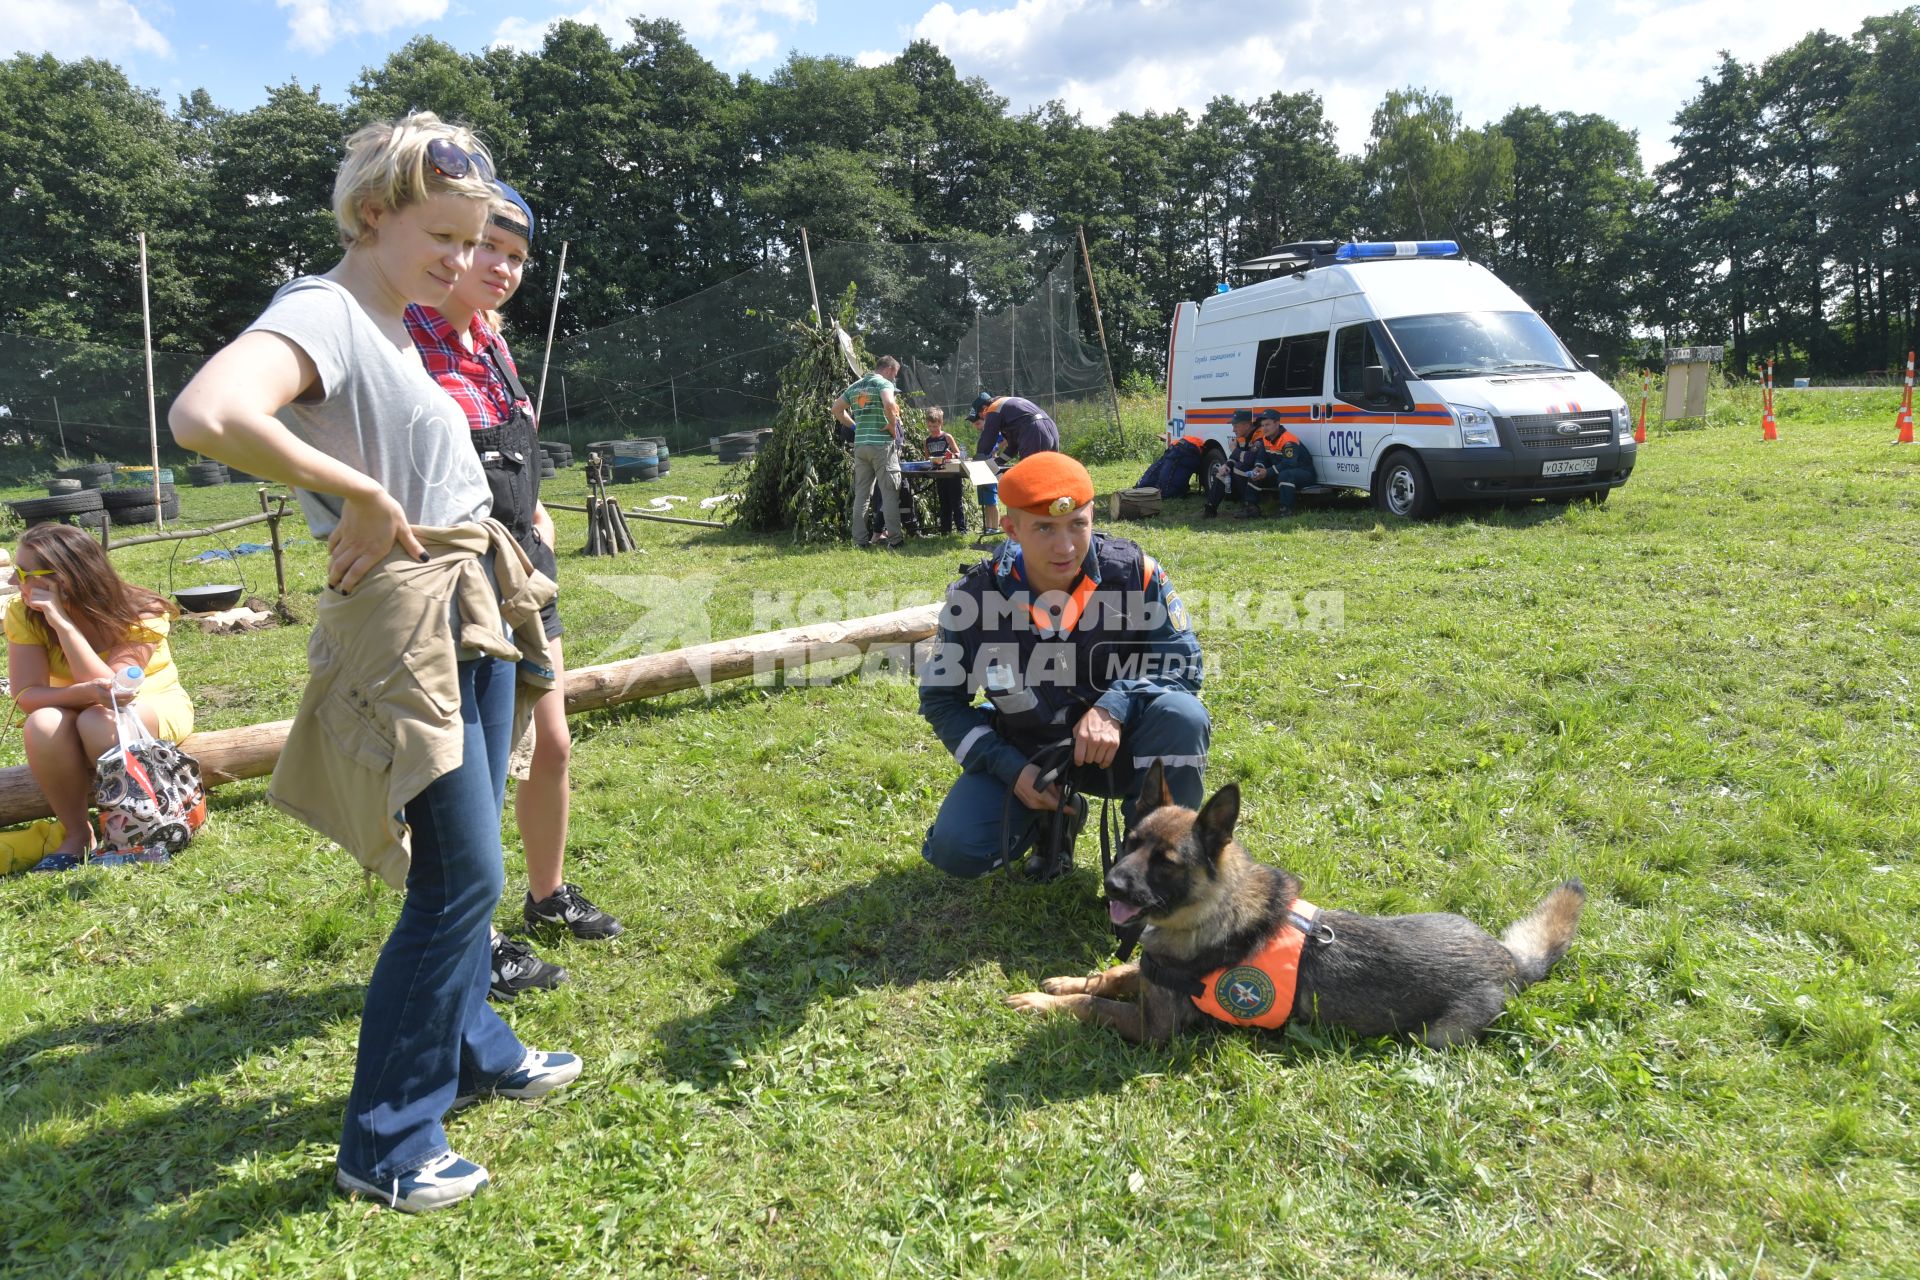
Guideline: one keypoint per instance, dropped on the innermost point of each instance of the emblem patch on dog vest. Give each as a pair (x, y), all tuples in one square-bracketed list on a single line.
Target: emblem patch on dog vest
[(1244, 991)]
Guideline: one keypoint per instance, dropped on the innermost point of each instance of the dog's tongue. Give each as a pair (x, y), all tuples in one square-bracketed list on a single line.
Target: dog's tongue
[(1121, 912)]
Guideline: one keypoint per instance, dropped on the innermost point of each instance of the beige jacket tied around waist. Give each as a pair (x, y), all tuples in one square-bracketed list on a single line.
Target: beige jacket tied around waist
[(380, 718)]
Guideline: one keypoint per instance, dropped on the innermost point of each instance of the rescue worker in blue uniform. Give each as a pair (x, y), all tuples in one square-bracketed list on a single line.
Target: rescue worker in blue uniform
[(1019, 428), (1087, 658), (1285, 466), (1230, 477)]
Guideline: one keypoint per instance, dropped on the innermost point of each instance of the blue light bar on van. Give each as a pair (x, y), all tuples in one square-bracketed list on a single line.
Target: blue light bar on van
[(1362, 250)]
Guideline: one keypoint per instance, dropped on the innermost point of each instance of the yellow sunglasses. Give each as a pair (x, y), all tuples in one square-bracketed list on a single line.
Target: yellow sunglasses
[(18, 572)]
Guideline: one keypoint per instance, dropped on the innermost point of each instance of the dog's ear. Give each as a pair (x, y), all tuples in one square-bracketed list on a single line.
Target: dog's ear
[(1153, 792), (1213, 829)]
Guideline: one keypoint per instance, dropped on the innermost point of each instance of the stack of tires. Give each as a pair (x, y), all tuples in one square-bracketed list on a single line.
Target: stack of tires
[(81, 506), (738, 446), (135, 505), (91, 475), (637, 459), (558, 452), (205, 475)]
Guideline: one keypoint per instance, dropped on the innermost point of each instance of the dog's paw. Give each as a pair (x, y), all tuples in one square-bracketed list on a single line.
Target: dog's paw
[(1031, 1002), (1064, 986)]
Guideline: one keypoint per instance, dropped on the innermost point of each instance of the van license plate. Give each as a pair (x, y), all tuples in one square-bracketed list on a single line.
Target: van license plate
[(1569, 467)]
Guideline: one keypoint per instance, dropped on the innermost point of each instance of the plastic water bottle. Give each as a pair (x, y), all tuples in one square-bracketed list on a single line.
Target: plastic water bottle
[(126, 682)]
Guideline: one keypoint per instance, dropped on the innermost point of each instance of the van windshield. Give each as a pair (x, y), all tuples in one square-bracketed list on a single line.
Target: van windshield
[(1468, 344)]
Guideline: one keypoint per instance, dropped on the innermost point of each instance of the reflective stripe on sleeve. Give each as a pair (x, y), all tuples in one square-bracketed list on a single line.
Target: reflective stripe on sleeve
[(973, 735)]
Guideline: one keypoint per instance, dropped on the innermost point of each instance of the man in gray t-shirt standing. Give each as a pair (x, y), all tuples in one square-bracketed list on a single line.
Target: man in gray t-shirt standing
[(871, 408)]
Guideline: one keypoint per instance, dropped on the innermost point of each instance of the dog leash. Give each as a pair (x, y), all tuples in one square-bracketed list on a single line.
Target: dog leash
[(1061, 826), (1057, 826), (1126, 936)]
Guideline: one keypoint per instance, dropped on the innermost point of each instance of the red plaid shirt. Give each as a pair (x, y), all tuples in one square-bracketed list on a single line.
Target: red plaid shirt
[(466, 375)]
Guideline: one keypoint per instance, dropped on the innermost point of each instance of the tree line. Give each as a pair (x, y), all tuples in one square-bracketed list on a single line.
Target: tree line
[(1787, 224)]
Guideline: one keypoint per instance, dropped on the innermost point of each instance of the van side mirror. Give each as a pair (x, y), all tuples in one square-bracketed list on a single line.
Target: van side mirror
[(1373, 381)]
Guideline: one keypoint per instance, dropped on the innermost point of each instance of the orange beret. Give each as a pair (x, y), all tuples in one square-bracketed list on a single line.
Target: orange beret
[(1046, 484)]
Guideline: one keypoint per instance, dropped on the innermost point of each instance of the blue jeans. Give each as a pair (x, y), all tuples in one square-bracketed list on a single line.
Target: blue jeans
[(427, 1032), (964, 839)]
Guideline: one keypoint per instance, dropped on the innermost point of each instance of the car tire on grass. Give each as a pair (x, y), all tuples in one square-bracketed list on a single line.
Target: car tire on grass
[(1210, 457), (89, 474), (169, 510), (54, 506), (1401, 487), (122, 499)]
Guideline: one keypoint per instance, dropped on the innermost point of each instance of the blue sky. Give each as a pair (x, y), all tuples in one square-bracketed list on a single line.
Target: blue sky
[(1634, 61)]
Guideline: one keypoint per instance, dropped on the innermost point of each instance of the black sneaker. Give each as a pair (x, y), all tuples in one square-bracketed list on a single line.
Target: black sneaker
[(517, 969), (568, 907)]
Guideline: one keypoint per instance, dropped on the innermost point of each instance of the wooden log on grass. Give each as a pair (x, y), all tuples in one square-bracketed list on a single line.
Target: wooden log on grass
[(226, 755), (637, 513), (183, 535)]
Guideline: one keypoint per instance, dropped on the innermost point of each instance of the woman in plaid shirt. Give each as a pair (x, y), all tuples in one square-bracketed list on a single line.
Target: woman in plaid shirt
[(461, 346)]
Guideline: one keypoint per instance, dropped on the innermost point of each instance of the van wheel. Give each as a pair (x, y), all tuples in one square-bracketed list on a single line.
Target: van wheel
[(1402, 488), (1210, 457)]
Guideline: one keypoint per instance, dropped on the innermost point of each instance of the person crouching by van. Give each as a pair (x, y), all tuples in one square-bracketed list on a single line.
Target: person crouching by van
[(941, 448), (1230, 477), (1020, 429), (1169, 473), (1285, 466), (1090, 666)]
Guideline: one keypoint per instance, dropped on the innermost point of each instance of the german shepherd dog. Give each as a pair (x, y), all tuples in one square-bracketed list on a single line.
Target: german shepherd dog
[(1207, 905)]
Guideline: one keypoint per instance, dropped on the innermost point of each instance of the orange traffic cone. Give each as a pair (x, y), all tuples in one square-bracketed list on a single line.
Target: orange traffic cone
[(1640, 430), (1767, 431), (1903, 422)]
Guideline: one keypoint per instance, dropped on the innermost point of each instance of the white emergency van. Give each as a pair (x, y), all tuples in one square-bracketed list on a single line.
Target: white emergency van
[(1406, 370)]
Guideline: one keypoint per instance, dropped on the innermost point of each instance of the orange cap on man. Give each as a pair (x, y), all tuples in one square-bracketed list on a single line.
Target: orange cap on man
[(1046, 484)]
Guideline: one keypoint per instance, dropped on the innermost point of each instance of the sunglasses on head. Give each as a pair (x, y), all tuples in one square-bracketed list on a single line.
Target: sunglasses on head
[(454, 163)]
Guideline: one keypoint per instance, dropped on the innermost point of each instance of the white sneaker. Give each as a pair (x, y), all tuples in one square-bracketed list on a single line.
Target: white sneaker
[(445, 1180), (538, 1075)]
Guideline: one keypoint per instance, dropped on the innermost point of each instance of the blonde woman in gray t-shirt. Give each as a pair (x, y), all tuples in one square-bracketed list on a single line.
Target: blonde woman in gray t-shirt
[(324, 392)]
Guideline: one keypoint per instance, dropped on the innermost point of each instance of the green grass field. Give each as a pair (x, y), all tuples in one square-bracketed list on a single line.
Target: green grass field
[(1699, 698)]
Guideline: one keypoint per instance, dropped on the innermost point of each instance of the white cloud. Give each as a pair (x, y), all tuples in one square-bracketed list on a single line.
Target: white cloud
[(317, 25), (1633, 61), (874, 57), (79, 28), (734, 33)]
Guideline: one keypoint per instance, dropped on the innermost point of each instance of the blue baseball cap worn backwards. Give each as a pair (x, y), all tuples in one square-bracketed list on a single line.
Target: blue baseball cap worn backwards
[(518, 201)]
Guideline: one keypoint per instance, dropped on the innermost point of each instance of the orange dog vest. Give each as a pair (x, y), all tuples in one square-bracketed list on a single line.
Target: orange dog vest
[(1258, 991)]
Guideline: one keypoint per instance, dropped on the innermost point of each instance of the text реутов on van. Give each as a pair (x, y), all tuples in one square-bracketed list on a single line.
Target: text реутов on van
[(1407, 371)]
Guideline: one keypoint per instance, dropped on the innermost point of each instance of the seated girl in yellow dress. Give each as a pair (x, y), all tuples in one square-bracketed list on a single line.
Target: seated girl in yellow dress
[(75, 624)]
